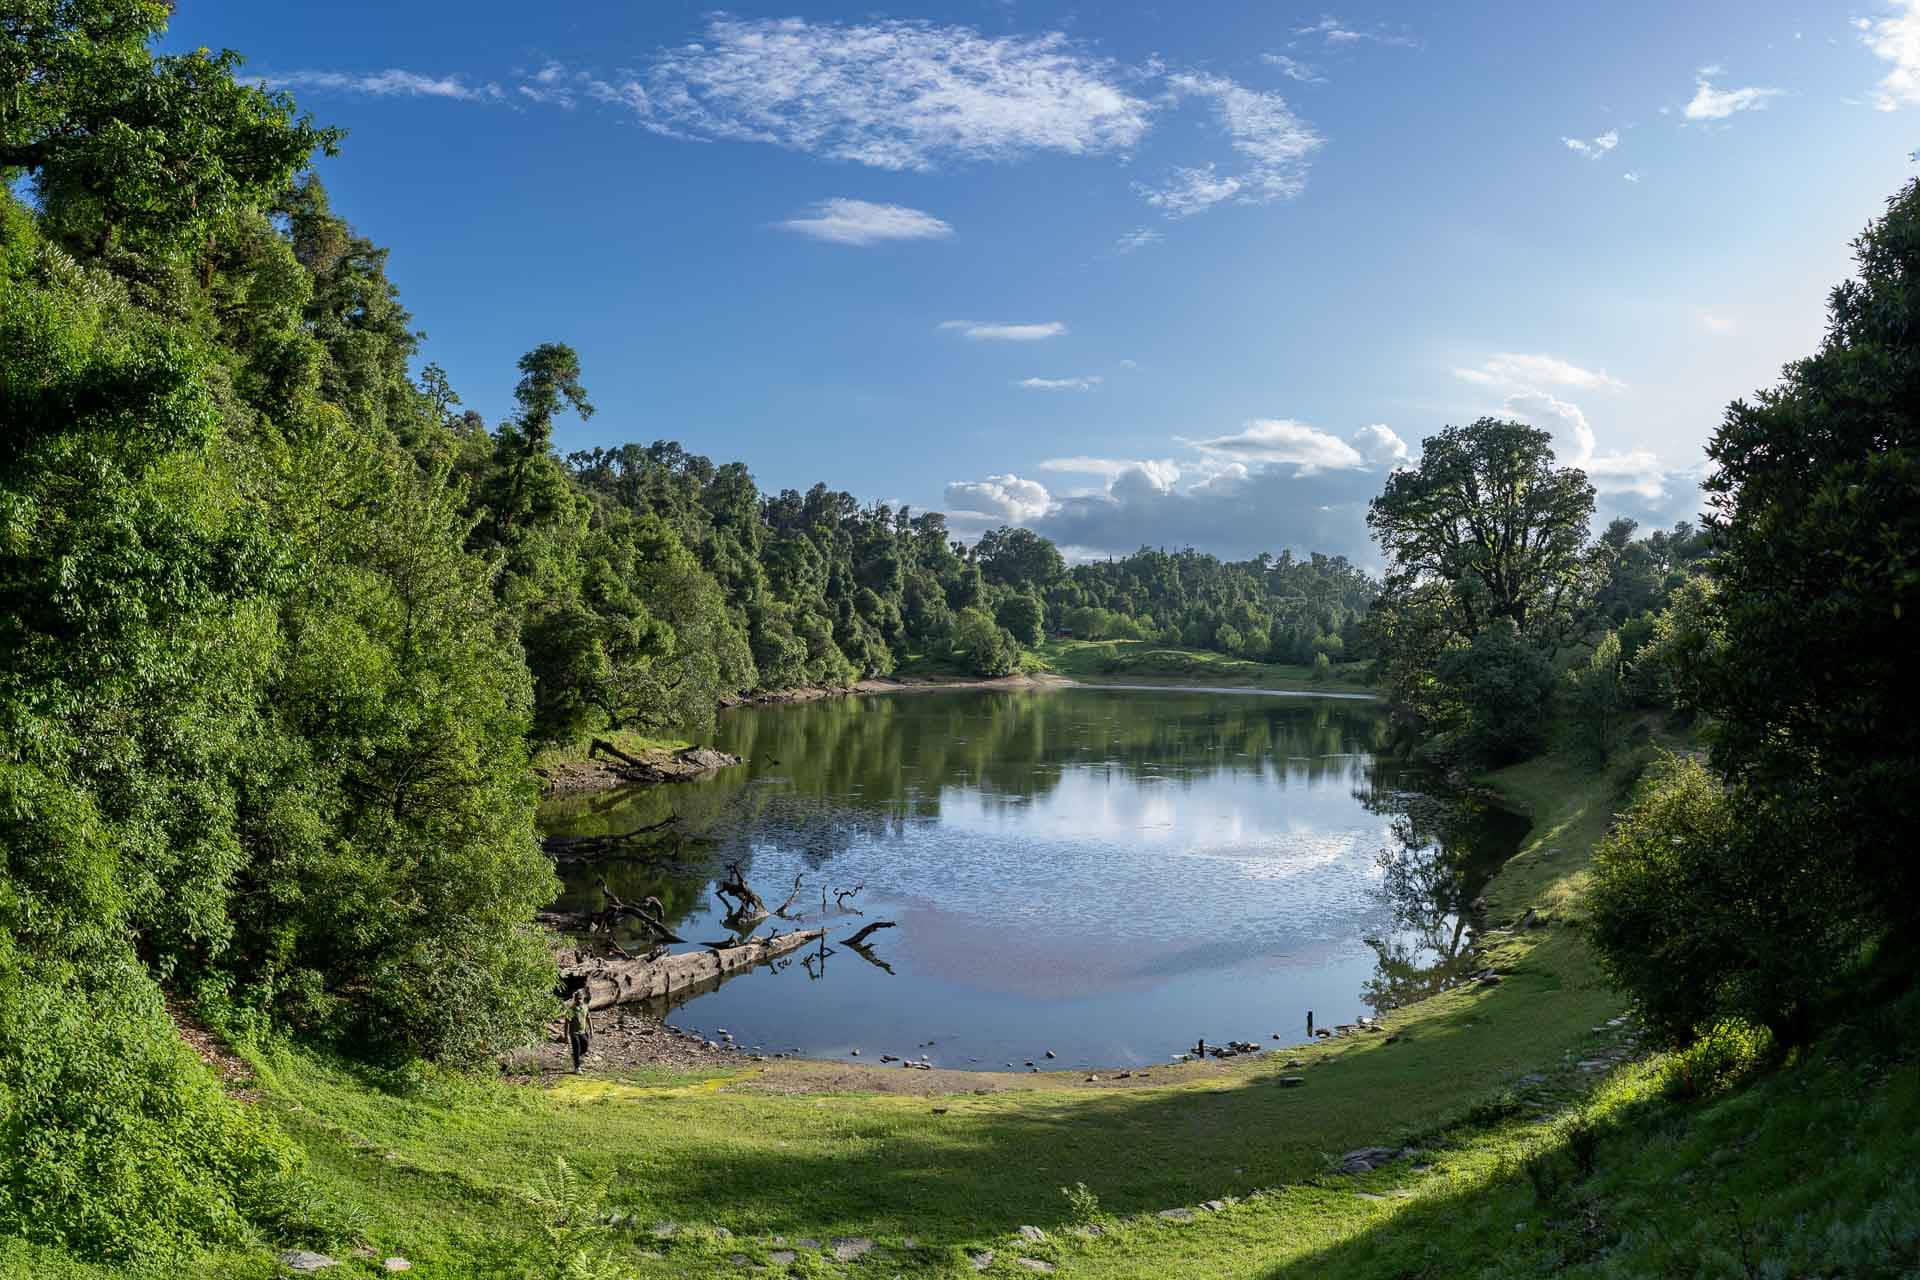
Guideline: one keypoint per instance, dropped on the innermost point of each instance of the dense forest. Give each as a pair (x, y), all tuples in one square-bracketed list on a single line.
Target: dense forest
[(282, 621)]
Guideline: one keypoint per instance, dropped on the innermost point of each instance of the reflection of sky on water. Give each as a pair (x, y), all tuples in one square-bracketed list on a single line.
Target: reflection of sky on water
[(1109, 874)]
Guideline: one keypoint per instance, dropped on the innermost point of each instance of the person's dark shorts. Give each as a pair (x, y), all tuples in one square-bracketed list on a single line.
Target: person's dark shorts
[(579, 1042)]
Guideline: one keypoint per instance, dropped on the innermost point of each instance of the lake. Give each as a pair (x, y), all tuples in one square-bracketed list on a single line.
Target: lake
[(1106, 873)]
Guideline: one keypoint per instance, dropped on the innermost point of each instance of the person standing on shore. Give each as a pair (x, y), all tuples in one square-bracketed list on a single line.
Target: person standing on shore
[(579, 1028)]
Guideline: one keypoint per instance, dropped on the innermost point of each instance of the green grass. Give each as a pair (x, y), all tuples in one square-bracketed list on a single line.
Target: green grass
[(1808, 1164), (1124, 661)]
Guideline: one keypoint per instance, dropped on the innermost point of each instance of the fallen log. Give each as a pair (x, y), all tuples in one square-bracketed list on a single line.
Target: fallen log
[(861, 936), (575, 848), (611, 982)]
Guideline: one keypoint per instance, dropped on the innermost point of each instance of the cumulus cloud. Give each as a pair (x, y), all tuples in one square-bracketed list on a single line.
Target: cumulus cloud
[(1895, 39), (1085, 383), (1710, 103), (1508, 368), (894, 94), (1283, 440), (1273, 144), (1573, 439), (1007, 499), (861, 222), (1000, 331), (1595, 148), (1380, 445), (392, 83)]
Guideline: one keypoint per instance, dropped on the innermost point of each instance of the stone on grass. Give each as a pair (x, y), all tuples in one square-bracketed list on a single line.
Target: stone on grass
[(306, 1262), (665, 1230), (1214, 1206), (981, 1260), (1365, 1159), (1177, 1215), (807, 1242), (782, 1257), (397, 1264), (1032, 1233), (1034, 1264), (847, 1248)]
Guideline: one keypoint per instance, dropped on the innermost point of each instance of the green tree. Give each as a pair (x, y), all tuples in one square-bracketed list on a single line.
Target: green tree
[(1023, 617)]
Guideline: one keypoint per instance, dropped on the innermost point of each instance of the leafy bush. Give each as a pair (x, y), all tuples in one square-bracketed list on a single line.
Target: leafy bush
[(1505, 687), (1702, 917)]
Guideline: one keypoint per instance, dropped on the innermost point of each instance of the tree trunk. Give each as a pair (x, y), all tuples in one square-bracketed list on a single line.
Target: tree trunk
[(611, 982)]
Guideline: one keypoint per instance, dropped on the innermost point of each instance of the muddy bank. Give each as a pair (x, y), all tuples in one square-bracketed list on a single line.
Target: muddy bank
[(893, 684), (598, 773)]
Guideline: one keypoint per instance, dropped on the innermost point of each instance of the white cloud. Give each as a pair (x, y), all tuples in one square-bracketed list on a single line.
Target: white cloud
[(893, 94), (997, 331), (1712, 70), (1710, 103), (861, 222), (1274, 143), (1572, 437), (1282, 440), (392, 83), (1631, 176), (1637, 472), (1293, 68), (1507, 368), (1333, 31), (1138, 238), (1129, 364), (1595, 148), (1086, 383), (1380, 445), (1897, 40), (1006, 498), (1717, 323)]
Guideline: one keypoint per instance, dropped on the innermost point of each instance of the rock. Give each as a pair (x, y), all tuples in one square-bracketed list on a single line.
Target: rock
[(1034, 1264), (721, 1233), (665, 1230), (782, 1257), (807, 1242), (847, 1248), (1365, 1159), (981, 1260), (1292, 1082), (305, 1262), (1177, 1215), (1213, 1206), (1032, 1233), (397, 1264), (739, 1259)]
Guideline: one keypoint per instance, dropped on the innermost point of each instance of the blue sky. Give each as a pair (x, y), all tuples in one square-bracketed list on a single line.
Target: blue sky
[(1127, 274)]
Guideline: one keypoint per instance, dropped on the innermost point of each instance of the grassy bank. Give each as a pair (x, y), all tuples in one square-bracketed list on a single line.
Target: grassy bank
[(576, 752), (1545, 1142), (1128, 661)]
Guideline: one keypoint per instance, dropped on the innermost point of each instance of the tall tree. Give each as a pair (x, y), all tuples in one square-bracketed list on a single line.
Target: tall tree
[(1488, 513)]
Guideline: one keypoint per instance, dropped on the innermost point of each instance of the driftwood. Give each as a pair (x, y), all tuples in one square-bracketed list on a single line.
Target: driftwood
[(683, 765), (611, 982), (861, 936)]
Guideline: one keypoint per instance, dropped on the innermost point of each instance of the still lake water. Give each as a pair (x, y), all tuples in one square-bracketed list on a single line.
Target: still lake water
[(1106, 873)]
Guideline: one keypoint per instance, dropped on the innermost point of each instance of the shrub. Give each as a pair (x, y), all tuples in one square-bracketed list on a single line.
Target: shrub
[(1702, 917)]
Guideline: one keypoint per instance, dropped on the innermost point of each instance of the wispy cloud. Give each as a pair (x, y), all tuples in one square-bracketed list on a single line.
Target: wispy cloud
[(1596, 147), (392, 83), (893, 94), (1507, 368), (1293, 68), (1710, 103), (861, 222), (1000, 331), (1086, 383), (1897, 40), (1631, 176), (1138, 238), (1333, 31), (1274, 143)]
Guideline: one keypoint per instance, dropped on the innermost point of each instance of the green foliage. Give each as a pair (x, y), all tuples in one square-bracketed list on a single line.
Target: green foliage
[(1703, 917), (1023, 617), (984, 644), (1598, 699), (1503, 689)]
